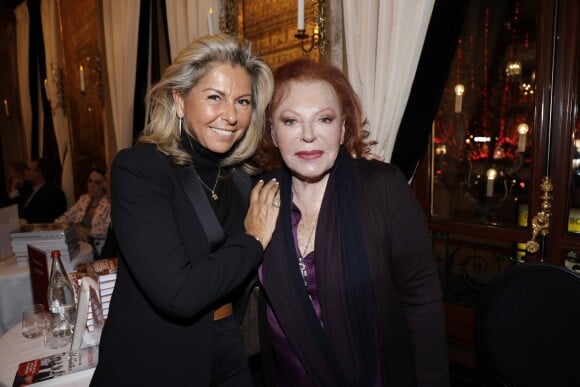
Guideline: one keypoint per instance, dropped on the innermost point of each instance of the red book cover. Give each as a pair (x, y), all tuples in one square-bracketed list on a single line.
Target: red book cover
[(53, 366), (39, 274)]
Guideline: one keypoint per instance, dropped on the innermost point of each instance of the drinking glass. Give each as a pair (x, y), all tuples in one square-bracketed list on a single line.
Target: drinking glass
[(59, 332), (34, 318)]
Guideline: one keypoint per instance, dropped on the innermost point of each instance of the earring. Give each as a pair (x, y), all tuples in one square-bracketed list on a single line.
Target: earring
[(180, 125)]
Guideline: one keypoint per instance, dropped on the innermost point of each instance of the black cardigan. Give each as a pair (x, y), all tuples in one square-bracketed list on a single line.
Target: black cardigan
[(406, 284)]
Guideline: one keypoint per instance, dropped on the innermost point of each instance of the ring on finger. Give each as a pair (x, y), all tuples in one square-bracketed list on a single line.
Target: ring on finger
[(276, 202)]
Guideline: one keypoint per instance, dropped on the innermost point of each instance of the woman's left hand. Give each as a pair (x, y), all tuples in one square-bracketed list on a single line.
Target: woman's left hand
[(263, 211)]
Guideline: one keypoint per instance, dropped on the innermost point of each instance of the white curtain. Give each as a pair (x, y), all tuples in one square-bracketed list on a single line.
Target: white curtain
[(54, 67), (384, 39), (22, 57), (188, 20), (121, 27)]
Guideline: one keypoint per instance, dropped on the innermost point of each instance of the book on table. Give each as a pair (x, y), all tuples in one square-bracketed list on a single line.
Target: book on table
[(88, 306), (46, 237), (53, 366), (104, 273), (39, 274)]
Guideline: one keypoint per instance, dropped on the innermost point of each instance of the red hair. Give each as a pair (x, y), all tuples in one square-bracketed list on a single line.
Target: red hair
[(268, 156)]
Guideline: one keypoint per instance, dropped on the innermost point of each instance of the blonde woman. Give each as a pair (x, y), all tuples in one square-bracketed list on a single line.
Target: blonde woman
[(179, 297)]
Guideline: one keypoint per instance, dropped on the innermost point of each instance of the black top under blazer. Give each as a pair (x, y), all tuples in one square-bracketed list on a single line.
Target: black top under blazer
[(159, 327)]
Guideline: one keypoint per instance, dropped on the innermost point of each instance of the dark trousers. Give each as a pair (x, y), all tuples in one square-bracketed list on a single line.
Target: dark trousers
[(229, 361)]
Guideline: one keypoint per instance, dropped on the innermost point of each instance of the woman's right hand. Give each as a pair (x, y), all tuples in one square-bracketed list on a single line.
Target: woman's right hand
[(263, 212)]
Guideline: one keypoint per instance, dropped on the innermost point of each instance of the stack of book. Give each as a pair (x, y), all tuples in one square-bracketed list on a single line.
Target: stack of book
[(46, 237), (104, 273)]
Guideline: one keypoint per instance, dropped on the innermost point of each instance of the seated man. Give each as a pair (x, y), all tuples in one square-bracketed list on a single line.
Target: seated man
[(45, 200)]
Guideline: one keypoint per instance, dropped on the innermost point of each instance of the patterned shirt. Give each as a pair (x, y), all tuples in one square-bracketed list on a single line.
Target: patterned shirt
[(101, 217)]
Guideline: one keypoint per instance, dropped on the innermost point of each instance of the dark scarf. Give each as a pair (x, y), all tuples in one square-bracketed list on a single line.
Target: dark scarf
[(342, 353)]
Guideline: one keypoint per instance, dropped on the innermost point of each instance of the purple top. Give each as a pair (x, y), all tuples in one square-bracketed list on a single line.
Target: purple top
[(289, 369)]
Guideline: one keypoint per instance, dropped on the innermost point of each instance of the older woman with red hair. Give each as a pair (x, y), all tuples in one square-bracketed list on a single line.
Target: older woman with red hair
[(353, 295)]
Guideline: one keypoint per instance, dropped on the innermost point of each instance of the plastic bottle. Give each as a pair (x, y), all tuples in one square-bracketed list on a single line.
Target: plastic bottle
[(61, 303)]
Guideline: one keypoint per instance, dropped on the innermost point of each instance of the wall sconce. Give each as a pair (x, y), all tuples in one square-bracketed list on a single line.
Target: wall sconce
[(210, 23), (491, 174), (82, 78), (459, 90), (90, 79), (6, 108), (522, 130), (318, 39)]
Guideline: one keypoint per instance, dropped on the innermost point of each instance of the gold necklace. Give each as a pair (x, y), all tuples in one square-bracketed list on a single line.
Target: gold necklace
[(214, 196), (305, 250)]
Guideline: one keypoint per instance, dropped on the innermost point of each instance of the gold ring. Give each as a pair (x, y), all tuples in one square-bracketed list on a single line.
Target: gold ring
[(276, 203)]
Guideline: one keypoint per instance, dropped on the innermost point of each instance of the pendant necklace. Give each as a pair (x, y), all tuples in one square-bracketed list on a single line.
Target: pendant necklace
[(214, 196), (301, 264)]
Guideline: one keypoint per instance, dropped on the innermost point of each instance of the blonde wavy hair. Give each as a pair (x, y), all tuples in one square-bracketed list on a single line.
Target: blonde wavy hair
[(191, 64)]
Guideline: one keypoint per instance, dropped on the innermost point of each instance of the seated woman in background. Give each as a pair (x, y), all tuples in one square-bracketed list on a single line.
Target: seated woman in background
[(91, 214)]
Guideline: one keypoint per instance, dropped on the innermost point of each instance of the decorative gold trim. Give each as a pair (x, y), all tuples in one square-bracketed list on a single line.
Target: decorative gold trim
[(541, 221), (228, 17)]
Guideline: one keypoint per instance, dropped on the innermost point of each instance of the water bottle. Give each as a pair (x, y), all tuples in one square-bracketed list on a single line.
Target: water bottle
[(61, 304)]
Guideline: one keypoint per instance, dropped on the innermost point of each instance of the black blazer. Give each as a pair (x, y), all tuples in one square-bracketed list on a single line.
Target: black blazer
[(110, 247), (46, 205), (159, 328)]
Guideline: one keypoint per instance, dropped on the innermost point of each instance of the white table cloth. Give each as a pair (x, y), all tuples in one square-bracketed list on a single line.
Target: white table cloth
[(15, 293), (16, 290), (15, 349)]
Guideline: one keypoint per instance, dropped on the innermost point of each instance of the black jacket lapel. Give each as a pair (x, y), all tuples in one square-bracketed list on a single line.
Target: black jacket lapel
[(194, 190)]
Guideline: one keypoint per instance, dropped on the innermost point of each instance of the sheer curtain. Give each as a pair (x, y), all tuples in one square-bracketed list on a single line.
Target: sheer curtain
[(430, 78), (384, 39), (54, 67), (22, 57), (188, 20), (121, 27)]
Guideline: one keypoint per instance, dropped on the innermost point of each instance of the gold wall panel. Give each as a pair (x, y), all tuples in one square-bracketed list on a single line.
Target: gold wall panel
[(271, 25)]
